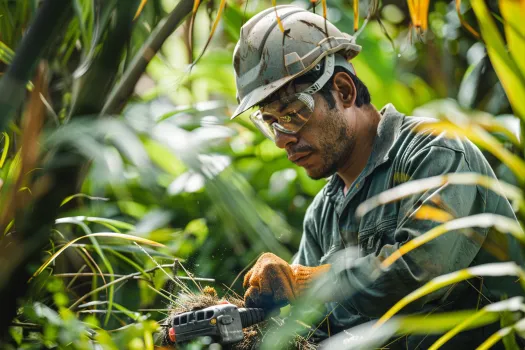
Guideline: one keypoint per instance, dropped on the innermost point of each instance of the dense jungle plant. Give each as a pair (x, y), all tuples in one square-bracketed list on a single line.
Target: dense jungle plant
[(114, 161)]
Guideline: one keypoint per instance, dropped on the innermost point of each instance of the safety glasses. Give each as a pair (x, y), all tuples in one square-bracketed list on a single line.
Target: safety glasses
[(287, 115)]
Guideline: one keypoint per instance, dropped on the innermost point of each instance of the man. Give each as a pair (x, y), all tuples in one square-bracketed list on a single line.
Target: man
[(292, 65)]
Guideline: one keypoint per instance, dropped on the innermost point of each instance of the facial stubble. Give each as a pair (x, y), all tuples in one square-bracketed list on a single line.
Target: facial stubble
[(337, 143)]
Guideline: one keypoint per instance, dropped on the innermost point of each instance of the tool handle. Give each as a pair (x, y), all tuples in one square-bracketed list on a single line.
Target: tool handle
[(251, 316)]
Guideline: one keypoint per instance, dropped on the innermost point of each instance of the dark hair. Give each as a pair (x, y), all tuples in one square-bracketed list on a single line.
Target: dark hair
[(362, 94)]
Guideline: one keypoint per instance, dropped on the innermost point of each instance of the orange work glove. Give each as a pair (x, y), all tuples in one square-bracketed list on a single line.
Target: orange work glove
[(272, 282)]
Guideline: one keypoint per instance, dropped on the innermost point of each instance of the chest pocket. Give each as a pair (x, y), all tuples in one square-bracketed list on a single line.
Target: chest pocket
[(371, 239)]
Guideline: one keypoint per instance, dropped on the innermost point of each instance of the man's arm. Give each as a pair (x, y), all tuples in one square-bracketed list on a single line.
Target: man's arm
[(371, 289)]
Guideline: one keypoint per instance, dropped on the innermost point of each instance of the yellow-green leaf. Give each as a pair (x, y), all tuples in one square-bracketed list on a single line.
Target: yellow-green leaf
[(494, 269), (98, 234), (513, 12), (504, 65), (428, 212)]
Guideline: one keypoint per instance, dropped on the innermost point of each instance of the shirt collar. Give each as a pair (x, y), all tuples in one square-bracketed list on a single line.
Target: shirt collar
[(388, 131)]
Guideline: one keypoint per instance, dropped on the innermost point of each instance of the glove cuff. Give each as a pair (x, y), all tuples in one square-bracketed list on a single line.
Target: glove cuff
[(304, 275)]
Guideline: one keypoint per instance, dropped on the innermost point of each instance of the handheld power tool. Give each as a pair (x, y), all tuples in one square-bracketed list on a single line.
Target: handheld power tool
[(224, 323)]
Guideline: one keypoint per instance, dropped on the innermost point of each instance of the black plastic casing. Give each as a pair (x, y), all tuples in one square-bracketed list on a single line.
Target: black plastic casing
[(224, 323)]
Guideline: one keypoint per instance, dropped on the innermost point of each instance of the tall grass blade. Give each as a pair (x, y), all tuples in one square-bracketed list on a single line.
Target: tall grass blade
[(494, 338), (501, 223), (222, 4), (481, 138), (413, 187), (494, 269), (356, 15), (504, 65), (98, 234), (428, 212), (514, 304), (465, 23), (82, 195), (513, 12), (5, 150), (140, 8)]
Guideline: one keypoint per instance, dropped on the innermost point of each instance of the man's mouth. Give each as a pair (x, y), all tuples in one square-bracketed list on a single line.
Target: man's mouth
[(299, 157)]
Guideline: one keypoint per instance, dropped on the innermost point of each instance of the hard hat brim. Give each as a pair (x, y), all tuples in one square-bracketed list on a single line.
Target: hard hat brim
[(261, 93)]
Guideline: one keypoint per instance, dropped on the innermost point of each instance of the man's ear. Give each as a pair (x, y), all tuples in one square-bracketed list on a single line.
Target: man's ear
[(344, 86)]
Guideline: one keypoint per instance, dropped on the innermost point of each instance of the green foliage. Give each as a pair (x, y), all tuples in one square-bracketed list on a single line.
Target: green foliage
[(172, 169)]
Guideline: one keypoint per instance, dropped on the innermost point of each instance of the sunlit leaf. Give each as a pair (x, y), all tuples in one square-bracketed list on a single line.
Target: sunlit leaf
[(81, 195), (427, 212), (413, 187), (117, 223), (514, 304), (504, 65), (481, 138), (98, 234), (494, 338), (502, 223), (513, 12), (493, 269)]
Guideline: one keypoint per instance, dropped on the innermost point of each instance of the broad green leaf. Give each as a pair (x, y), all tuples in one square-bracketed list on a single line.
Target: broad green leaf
[(504, 65)]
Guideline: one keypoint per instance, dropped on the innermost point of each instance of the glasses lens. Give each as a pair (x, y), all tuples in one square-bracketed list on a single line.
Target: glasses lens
[(287, 115), (264, 127)]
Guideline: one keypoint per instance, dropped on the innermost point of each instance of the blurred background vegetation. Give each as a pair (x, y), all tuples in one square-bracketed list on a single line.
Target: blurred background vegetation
[(115, 129)]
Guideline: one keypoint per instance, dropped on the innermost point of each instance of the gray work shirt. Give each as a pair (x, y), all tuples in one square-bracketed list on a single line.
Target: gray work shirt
[(400, 154)]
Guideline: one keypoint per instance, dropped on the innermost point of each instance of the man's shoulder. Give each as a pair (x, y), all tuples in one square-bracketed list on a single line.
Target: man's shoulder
[(418, 134)]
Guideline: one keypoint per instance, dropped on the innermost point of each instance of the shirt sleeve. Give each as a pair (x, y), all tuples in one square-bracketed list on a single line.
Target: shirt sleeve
[(371, 289)]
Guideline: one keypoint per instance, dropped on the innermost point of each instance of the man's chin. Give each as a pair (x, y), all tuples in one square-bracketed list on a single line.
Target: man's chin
[(316, 173)]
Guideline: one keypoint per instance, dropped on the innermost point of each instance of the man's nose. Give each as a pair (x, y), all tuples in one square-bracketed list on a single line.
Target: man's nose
[(283, 139)]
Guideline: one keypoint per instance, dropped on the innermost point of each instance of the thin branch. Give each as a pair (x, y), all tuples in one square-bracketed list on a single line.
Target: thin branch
[(91, 274), (121, 93)]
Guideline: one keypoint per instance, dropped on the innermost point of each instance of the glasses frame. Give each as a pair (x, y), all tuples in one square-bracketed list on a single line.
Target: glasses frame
[(306, 96)]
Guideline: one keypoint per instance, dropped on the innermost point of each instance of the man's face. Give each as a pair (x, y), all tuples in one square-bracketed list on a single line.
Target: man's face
[(324, 144)]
